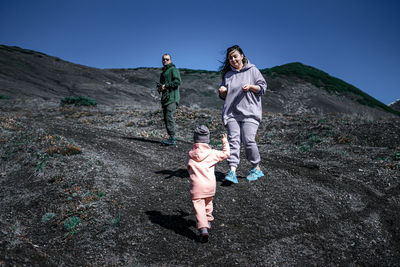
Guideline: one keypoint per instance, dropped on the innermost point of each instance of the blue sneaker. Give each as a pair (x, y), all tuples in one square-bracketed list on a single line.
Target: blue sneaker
[(231, 177), (254, 174)]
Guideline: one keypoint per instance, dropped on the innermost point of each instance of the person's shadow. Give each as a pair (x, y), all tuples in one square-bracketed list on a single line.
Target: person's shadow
[(141, 139), (177, 223), (180, 173)]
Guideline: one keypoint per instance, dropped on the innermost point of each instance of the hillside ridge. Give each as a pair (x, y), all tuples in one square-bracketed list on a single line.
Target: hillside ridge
[(292, 87)]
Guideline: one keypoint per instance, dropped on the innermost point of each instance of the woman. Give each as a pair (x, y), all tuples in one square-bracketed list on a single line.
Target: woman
[(242, 87)]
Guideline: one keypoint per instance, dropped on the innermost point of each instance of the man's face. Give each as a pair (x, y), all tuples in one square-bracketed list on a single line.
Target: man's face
[(166, 59)]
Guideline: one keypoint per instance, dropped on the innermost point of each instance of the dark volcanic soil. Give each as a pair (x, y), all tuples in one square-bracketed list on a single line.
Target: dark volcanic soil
[(93, 186)]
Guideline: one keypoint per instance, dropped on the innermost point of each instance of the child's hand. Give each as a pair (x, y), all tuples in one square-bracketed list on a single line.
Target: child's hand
[(224, 136)]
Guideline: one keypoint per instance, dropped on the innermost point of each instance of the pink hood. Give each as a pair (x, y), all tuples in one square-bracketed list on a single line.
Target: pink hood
[(201, 168), (199, 151)]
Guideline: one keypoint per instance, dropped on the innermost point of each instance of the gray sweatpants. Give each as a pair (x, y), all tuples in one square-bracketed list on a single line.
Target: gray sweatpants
[(244, 132)]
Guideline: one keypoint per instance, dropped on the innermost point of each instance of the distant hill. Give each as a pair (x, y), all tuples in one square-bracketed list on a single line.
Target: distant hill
[(329, 83), (292, 88), (28, 74), (395, 105)]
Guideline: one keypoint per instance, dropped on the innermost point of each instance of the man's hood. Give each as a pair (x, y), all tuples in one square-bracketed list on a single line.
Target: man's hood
[(199, 151)]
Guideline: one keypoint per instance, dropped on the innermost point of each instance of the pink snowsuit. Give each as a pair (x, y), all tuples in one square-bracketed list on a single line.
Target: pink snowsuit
[(201, 167)]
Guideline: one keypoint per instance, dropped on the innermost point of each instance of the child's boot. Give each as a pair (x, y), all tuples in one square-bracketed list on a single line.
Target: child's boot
[(203, 235)]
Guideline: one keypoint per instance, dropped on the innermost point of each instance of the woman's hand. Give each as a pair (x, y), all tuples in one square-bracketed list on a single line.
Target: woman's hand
[(223, 91), (253, 88), (224, 137)]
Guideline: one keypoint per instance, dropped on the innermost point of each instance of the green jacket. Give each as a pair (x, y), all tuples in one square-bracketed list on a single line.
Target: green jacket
[(172, 80)]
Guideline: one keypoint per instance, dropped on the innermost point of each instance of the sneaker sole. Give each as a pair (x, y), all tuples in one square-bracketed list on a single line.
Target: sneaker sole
[(168, 145), (235, 182), (254, 179)]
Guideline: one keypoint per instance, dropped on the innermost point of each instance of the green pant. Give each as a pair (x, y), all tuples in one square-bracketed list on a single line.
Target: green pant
[(169, 120)]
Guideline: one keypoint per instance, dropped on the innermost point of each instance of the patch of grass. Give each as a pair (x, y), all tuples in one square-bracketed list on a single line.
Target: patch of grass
[(43, 159), (55, 179), (71, 224), (48, 216), (310, 142), (304, 147), (68, 150), (78, 101), (100, 193), (331, 84), (3, 97), (343, 139), (117, 220)]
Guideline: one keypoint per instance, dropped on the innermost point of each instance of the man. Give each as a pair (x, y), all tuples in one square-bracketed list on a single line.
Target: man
[(170, 80)]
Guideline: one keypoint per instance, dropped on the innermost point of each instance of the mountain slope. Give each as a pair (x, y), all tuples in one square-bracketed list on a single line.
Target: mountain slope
[(292, 88), (26, 74), (329, 83), (93, 186), (395, 105)]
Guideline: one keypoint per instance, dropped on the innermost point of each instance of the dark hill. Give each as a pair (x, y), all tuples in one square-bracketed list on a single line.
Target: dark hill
[(29, 74), (293, 88)]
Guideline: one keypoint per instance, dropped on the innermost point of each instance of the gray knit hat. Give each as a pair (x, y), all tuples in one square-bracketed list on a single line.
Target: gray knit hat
[(201, 134)]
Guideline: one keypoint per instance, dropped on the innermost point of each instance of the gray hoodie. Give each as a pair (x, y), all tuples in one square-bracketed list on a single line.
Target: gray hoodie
[(239, 105)]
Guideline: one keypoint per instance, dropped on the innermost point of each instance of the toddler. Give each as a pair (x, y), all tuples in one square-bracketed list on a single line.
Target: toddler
[(201, 166)]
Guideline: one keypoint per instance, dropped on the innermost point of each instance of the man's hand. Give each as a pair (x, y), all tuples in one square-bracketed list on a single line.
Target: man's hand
[(160, 87)]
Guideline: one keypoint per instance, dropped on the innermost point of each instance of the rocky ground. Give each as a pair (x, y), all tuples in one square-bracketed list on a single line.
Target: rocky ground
[(93, 186)]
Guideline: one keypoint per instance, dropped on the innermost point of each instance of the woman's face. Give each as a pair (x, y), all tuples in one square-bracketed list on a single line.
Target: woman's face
[(236, 59)]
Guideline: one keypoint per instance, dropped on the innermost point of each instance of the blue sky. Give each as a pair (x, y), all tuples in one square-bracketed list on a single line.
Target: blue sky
[(354, 40)]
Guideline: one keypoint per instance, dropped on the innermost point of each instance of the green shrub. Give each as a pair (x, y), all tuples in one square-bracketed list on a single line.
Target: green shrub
[(3, 97), (78, 101), (190, 71)]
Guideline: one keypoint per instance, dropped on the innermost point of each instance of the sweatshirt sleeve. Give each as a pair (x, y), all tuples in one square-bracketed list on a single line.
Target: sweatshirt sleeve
[(225, 153), (175, 81), (260, 81)]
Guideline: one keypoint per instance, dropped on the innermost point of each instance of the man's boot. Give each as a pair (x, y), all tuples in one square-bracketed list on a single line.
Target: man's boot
[(171, 141)]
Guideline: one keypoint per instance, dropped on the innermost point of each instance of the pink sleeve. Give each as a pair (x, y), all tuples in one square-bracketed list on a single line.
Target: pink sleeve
[(225, 153)]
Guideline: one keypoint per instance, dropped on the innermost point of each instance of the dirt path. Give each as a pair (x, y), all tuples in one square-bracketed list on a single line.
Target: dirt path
[(298, 214), (329, 206)]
